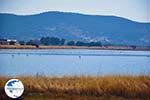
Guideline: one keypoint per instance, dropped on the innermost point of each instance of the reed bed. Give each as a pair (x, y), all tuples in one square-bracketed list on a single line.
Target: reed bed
[(83, 87)]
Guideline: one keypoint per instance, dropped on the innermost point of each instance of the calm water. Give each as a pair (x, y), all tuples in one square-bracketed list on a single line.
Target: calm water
[(74, 62)]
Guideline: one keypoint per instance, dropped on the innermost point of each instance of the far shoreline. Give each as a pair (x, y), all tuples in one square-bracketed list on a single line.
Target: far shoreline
[(74, 47)]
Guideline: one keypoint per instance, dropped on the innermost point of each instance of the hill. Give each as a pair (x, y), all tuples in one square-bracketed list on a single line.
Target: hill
[(73, 26)]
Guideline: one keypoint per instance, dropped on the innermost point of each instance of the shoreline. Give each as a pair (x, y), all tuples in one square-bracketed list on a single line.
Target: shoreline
[(74, 47)]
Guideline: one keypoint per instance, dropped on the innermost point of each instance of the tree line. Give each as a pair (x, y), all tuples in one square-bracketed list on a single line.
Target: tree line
[(55, 41)]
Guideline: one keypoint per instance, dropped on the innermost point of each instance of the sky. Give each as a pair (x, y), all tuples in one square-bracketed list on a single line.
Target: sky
[(136, 10)]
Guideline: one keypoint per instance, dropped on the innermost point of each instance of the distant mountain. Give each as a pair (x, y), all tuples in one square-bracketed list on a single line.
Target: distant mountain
[(73, 26)]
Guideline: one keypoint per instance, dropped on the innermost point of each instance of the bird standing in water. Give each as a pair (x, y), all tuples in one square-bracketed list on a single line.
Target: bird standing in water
[(79, 57)]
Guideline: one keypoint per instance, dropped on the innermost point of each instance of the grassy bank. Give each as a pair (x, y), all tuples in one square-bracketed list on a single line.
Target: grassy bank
[(84, 88), (72, 47)]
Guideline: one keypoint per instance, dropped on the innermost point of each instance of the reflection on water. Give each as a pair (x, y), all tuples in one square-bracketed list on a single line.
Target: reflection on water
[(74, 62)]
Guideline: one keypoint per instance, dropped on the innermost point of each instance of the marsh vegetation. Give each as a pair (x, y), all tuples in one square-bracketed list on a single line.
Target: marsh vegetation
[(83, 87)]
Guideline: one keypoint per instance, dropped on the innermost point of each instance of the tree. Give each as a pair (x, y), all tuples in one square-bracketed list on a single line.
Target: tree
[(12, 43), (94, 44), (34, 42), (71, 43), (21, 42), (98, 44), (62, 41), (54, 41), (45, 40), (79, 43), (133, 47), (50, 41)]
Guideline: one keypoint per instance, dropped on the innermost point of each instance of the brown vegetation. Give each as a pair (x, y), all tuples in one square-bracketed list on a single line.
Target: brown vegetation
[(84, 87), (73, 47)]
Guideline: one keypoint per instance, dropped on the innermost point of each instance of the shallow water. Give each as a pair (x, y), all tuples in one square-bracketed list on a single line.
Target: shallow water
[(59, 62)]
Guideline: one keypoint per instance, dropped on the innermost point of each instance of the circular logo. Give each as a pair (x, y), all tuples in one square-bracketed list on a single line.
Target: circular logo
[(14, 88)]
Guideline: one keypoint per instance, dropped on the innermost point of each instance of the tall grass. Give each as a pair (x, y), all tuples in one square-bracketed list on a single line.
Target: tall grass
[(125, 87)]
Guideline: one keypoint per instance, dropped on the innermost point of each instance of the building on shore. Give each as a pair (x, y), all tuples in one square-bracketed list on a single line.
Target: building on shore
[(8, 42), (3, 42)]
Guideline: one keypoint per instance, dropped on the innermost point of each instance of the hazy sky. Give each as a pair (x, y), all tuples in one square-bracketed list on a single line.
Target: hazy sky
[(137, 10)]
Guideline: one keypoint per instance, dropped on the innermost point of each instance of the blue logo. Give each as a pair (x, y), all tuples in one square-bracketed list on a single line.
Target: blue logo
[(14, 88)]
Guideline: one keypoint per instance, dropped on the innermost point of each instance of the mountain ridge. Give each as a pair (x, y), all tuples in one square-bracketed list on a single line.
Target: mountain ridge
[(34, 14), (75, 26)]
